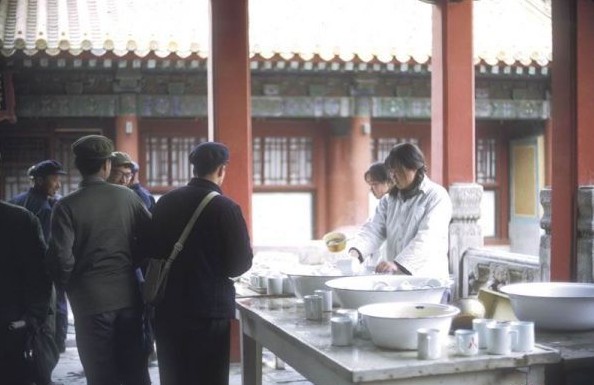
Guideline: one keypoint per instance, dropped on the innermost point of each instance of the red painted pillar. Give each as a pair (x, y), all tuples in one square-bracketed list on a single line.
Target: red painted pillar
[(585, 92), (349, 157), (126, 135), (452, 94), (229, 96), (229, 112), (564, 136)]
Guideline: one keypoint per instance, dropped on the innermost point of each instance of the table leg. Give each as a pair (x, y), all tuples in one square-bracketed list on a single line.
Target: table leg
[(251, 361)]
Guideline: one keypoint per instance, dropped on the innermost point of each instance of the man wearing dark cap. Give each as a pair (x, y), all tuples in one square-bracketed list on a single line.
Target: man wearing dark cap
[(41, 197), (193, 319), (40, 200), (25, 289), (91, 253), (121, 169)]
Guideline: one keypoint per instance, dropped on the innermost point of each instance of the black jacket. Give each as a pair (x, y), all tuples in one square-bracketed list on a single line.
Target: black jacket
[(217, 249), (25, 286)]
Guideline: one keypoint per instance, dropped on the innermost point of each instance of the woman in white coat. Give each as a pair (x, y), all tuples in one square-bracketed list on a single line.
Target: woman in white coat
[(413, 219)]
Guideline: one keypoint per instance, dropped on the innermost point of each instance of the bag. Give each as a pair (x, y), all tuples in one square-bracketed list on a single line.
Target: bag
[(155, 280), (157, 271), (41, 354)]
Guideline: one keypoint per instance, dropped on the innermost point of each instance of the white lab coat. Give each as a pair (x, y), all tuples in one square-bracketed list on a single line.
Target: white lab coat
[(415, 230)]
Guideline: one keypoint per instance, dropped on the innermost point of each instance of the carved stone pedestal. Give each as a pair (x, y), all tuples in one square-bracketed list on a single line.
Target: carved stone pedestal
[(465, 230), (545, 239), (585, 228)]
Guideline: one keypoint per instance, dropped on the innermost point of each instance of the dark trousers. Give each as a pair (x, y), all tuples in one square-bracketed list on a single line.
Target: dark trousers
[(111, 347), (197, 354), (61, 319), (12, 365)]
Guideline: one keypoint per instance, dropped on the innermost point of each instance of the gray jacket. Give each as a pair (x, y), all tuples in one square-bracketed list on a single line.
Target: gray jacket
[(94, 233)]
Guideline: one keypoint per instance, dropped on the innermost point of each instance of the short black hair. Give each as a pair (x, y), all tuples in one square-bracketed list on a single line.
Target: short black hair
[(377, 172), (406, 155), (88, 166)]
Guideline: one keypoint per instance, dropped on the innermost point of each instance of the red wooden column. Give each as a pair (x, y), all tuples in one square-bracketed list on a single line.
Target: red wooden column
[(349, 157), (572, 134), (229, 110), (452, 94), (229, 94), (126, 126), (564, 137), (585, 92), (126, 135)]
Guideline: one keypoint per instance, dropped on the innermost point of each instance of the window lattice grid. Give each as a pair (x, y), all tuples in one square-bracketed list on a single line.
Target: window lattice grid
[(64, 155), (486, 161), (381, 147), (282, 161), (18, 154), (167, 162)]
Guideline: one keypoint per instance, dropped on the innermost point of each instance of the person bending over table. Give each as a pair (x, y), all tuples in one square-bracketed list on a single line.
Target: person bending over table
[(413, 219)]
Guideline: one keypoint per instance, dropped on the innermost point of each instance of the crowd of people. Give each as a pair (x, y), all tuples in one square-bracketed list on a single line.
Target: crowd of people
[(93, 244)]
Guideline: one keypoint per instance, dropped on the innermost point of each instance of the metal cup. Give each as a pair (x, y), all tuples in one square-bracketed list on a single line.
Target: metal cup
[(342, 330), (326, 299), (313, 307)]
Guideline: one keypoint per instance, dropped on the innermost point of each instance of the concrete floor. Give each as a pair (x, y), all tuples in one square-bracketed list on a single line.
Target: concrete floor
[(70, 372)]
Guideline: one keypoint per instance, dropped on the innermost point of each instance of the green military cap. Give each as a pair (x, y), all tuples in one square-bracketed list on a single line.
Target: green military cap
[(119, 159), (93, 147)]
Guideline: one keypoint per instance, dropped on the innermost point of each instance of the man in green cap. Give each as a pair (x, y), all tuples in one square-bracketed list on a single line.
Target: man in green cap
[(92, 254)]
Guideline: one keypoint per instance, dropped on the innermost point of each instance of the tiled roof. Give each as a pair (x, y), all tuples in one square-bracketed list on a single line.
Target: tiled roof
[(506, 31)]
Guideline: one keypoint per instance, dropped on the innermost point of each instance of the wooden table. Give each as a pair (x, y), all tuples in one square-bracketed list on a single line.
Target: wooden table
[(279, 325)]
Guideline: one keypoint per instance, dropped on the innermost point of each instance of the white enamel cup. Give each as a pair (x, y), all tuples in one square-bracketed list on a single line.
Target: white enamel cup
[(428, 344)]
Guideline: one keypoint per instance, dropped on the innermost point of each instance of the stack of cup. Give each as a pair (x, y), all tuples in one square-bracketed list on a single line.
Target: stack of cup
[(313, 307), (326, 299)]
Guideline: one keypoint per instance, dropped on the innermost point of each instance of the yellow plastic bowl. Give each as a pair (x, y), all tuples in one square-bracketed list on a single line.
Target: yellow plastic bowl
[(335, 241)]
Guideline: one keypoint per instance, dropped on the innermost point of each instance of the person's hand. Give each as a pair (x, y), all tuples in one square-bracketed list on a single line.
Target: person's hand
[(386, 267)]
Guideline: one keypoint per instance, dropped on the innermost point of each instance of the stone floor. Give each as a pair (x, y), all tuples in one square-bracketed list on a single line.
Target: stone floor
[(69, 370)]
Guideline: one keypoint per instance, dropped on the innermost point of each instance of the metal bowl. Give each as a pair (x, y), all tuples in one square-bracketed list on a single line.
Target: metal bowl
[(306, 281), (353, 292), (394, 325), (553, 305)]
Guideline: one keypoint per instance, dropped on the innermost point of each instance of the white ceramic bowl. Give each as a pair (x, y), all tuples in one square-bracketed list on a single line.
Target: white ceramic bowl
[(394, 325), (353, 292), (553, 305)]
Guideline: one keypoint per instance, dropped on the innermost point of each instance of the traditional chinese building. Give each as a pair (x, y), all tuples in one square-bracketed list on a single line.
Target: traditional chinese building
[(334, 85)]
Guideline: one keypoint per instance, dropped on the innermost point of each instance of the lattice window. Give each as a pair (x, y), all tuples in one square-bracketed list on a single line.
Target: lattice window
[(486, 161), (282, 161), (381, 146), (64, 155), (18, 154), (167, 161)]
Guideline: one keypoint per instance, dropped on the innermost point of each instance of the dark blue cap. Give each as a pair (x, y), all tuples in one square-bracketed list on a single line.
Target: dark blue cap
[(207, 156), (45, 168)]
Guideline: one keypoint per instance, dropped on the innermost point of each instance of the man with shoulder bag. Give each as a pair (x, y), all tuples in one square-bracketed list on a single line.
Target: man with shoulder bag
[(194, 316)]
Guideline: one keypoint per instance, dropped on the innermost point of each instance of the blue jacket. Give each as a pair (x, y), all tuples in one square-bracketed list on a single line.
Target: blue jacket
[(39, 204)]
